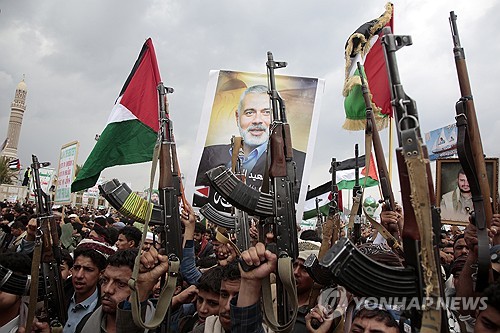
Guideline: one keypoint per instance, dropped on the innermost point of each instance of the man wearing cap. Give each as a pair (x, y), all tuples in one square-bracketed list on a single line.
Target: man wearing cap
[(89, 262)]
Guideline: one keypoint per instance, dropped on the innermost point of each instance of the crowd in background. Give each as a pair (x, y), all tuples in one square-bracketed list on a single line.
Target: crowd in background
[(213, 294)]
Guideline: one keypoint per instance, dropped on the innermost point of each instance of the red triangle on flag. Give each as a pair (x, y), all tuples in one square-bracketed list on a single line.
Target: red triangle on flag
[(372, 173), (202, 191)]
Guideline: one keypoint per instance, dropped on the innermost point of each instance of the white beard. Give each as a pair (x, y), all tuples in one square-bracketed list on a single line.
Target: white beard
[(251, 140)]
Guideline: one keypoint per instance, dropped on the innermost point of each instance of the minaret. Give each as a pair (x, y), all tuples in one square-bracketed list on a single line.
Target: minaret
[(17, 109)]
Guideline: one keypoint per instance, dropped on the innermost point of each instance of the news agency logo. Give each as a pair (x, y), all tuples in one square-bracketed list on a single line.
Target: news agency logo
[(415, 303), (335, 300)]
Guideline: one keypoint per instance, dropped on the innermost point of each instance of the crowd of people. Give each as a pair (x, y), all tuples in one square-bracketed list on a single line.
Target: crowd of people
[(213, 292)]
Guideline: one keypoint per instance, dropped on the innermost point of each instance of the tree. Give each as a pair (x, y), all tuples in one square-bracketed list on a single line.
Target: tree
[(7, 175)]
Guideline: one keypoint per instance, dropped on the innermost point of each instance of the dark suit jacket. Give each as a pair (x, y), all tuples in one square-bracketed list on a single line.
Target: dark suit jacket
[(217, 155)]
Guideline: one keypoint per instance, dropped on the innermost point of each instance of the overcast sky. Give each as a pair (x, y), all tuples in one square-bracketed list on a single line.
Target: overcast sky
[(76, 55)]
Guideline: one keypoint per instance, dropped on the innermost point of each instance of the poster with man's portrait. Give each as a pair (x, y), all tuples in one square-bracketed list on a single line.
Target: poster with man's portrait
[(238, 104), (453, 194)]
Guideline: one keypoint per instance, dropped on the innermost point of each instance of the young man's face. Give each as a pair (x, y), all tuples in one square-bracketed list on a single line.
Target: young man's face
[(488, 321), (65, 270), (366, 325), (207, 304), (85, 277), (16, 232), (197, 236), (254, 119), (460, 248), (228, 289), (123, 243), (302, 278), (114, 287)]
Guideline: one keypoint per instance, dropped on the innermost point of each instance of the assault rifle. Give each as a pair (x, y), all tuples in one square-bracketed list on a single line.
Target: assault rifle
[(46, 260), (171, 193), (422, 220), (169, 186), (276, 208), (354, 228), (471, 155)]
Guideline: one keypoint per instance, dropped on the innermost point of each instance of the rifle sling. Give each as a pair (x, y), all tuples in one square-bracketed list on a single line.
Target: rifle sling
[(391, 240), (285, 274), (417, 171), (224, 240), (479, 218), (167, 292)]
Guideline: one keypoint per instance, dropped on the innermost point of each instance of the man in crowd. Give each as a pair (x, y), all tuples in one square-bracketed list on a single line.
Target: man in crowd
[(89, 263), (460, 246), (207, 301), (115, 291), (128, 237), (13, 308), (488, 320), (220, 322)]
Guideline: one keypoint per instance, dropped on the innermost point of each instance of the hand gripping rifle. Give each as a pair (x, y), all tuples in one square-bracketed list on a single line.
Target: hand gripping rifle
[(373, 136), (171, 193), (46, 261), (422, 220), (276, 208), (471, 155), (354, 227)]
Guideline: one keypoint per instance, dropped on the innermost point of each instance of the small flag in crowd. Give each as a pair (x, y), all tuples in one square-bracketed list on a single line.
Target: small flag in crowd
[(364, 46), (15, 164), (131, 132), (345, 175)]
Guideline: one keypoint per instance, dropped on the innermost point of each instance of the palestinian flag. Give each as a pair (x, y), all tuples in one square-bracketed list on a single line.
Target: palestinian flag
[(15, 164), (364, 46), (131, 132), (346, 179)]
